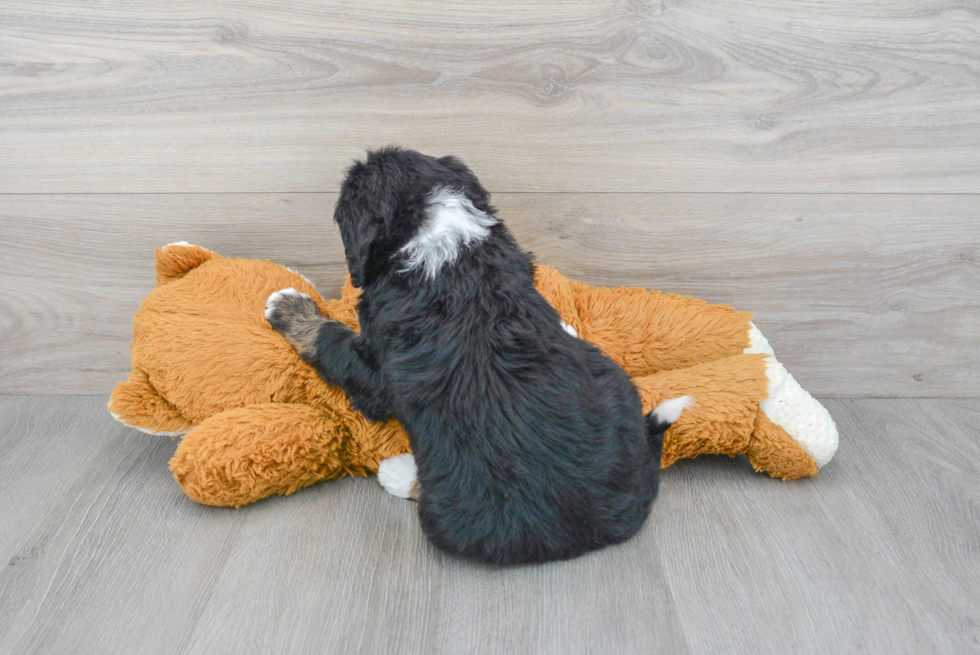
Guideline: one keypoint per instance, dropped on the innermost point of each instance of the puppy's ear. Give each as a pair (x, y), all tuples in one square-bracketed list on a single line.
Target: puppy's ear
[(359, 231)]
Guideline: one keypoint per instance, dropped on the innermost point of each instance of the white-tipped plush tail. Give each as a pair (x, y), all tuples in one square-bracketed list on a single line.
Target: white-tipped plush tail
[(793, 409)]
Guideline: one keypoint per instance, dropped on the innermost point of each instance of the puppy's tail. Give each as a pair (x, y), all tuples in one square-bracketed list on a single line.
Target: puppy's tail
[(661, 418)]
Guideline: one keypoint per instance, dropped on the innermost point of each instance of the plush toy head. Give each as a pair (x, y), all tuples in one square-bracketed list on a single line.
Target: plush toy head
[(203, 355)]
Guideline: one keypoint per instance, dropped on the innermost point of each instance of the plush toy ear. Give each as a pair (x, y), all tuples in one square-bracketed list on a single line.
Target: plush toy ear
[(175, 260), (139, 405)]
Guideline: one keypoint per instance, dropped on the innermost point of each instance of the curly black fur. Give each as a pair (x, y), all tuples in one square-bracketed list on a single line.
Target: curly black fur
[(530, 444)]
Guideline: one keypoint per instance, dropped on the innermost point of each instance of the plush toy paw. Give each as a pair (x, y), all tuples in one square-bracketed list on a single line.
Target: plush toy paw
[(792, 408), (398, 476), (296, 316)]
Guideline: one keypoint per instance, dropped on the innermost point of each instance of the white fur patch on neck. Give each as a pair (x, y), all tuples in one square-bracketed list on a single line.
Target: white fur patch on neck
[(453, 222)]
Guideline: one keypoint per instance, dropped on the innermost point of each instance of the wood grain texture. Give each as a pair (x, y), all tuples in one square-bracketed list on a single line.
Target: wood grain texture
[(579, 96), (360, 577), (868, 295), (100, 549), (878, 554)]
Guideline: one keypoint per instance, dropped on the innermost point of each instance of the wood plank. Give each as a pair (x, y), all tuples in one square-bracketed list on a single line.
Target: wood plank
[(341, 567), (33, 474), (878, 554), (860, 295), (590, 96), (101, 553), (614, 601), (361, 578)]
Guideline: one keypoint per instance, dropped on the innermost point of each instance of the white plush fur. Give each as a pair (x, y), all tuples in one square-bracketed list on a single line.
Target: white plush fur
[(670, 410), (292, 270), (397, 475), (178, 243), (568, 328), (452, 222), (159, 433), (793, 409)]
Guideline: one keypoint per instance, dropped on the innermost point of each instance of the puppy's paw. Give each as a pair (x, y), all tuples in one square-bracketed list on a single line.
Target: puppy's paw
[(398, 476), (288, 305), (568, 328), (295, 315)]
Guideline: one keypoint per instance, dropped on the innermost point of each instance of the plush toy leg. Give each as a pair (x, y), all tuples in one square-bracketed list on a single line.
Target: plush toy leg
[(725, 419), (646, 331), (137, 404), (773, 451), (726, 395), (790, 407), (243, 455)]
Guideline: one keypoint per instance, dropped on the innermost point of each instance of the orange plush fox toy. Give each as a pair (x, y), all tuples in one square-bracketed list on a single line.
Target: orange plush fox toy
[(259, 421)]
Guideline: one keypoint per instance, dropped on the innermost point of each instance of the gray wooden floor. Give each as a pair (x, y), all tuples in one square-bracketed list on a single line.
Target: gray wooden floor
[(816, 162), (879, 554)]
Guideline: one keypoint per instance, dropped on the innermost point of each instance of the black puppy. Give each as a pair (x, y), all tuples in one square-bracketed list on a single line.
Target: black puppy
[(530, 444)]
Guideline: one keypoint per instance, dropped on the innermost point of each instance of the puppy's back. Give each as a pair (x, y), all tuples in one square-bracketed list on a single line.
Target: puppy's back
[(530, 443)]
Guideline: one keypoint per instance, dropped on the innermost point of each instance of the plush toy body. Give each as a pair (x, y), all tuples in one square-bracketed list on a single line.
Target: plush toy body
[(260, 421)]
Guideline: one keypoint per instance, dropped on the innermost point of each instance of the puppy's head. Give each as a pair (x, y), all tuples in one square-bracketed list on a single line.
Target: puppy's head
[(399, 208)]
